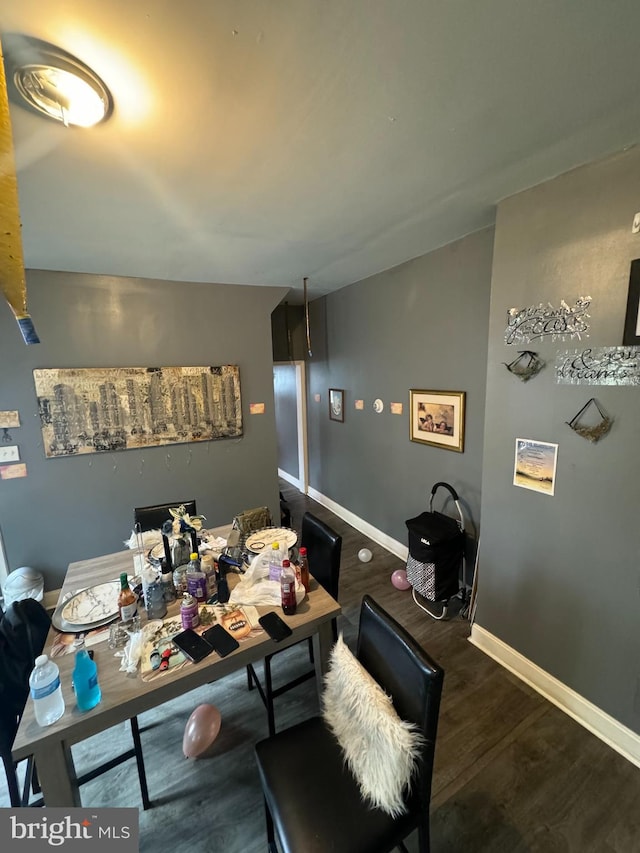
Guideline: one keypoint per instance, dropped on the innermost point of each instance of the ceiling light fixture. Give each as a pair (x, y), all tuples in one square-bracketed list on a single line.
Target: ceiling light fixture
[(56, 84)]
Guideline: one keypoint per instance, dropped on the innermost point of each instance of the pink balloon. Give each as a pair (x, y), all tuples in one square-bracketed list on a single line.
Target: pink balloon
[(201, 730), (399, 579)]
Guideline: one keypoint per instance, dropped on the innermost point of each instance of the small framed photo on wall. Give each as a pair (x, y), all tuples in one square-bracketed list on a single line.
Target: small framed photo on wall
[(437, 418), (336, 404), (631, 337)]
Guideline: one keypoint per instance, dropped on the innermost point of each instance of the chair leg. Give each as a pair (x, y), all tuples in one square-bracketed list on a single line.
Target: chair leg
[(249, 679), (31, 784), (271, 834), (334, 631), (424, 835), (137, 745), (35, 782), (12, 781), (268, 689)]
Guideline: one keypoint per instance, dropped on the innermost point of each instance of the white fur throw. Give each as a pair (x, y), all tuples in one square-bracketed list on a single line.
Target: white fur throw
[(379, 748), (149, 539)]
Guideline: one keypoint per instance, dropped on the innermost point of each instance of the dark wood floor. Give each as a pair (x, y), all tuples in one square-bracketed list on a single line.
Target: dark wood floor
[(513, 773)]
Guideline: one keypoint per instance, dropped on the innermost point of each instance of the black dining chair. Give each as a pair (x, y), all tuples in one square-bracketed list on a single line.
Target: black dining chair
[(324, 548), (285, 512), (313, 802), (249, 521), (15, 683), (153, 517), (23, 633)]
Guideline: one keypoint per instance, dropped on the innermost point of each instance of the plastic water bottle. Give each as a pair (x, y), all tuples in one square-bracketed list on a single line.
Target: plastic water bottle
[(196, 579), (44, 683), (85, 680), (275, 562)]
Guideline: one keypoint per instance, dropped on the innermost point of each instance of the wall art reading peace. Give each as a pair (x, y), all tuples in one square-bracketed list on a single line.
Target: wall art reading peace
[(91, 410)]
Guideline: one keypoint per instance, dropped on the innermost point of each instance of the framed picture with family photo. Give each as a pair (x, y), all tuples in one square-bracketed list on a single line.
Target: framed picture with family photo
[(437, 418)]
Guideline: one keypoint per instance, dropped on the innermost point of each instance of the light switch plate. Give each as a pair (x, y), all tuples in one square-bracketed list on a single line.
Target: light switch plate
[(9, 454)]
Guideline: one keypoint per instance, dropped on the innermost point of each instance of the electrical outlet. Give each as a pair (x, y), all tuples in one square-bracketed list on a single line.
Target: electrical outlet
[(9, 454), (635, 228)]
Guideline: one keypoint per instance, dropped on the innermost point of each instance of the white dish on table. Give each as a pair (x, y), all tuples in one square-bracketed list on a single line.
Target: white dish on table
[(261, 539)]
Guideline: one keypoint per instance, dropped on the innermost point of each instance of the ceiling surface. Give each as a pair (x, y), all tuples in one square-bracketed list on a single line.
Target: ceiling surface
[(260, 141)]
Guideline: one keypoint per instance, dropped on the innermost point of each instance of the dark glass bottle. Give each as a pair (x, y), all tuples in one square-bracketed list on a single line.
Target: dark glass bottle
[(127, 601), (221, 580), (167, 554), (169, 590), (303, 563)]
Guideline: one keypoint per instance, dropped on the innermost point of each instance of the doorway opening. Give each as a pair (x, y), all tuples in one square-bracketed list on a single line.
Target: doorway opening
[(290, 395)]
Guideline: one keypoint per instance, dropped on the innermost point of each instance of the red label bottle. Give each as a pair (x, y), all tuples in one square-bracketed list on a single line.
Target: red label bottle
[(304, 568), (288, 588)]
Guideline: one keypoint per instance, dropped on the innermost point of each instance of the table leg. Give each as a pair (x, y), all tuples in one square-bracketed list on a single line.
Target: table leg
[(322, 643), (57, 775)]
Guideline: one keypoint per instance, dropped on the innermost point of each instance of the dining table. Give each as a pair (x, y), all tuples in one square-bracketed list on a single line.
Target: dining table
[(125, 695)]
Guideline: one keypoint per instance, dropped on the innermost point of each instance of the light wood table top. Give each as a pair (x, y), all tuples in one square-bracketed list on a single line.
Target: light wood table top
[(125, 696)]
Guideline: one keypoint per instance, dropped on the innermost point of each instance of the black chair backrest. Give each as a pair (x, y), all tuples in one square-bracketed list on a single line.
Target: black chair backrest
[(23, 632), (285, 512), (324, 547), (409, 676), (153, 517)]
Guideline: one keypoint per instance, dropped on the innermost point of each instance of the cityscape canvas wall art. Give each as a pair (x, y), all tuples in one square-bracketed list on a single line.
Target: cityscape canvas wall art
[(92, 410)]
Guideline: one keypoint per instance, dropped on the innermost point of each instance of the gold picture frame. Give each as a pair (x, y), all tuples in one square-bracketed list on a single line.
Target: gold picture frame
[(437, 418)]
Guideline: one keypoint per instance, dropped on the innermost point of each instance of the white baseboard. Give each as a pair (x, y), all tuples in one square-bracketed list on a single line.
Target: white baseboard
[(290, 479), (396, 548), (609, 730)]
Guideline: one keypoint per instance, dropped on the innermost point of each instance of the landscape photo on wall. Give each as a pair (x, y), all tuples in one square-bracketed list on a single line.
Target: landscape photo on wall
[(92, 410)]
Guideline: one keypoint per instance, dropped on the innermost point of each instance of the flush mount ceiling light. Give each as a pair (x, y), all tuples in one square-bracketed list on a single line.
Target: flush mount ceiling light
[(55, 84)]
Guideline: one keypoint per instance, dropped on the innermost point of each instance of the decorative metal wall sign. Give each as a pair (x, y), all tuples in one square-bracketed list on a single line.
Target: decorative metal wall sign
[(526, 365), (599, 366), (586, 426), (89, 410), (545, 321)]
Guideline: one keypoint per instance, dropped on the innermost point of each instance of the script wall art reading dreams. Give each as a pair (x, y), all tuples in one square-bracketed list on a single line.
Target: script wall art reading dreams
[(599, 366), (89, 410)]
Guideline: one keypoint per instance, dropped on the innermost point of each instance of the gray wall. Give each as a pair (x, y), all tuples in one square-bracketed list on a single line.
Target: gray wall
[(74, 508), (289, 333), (284, 387), (559, 576), (420, 325)]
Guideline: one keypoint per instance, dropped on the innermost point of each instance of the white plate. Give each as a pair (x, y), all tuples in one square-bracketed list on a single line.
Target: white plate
[(264, 538), (69, 628), (92, 605)]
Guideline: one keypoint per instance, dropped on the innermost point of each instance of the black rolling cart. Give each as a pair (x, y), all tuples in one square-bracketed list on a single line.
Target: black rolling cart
[(435, 563)]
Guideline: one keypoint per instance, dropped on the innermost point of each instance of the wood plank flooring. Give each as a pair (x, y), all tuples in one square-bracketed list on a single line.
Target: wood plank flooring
[(513, 773)]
